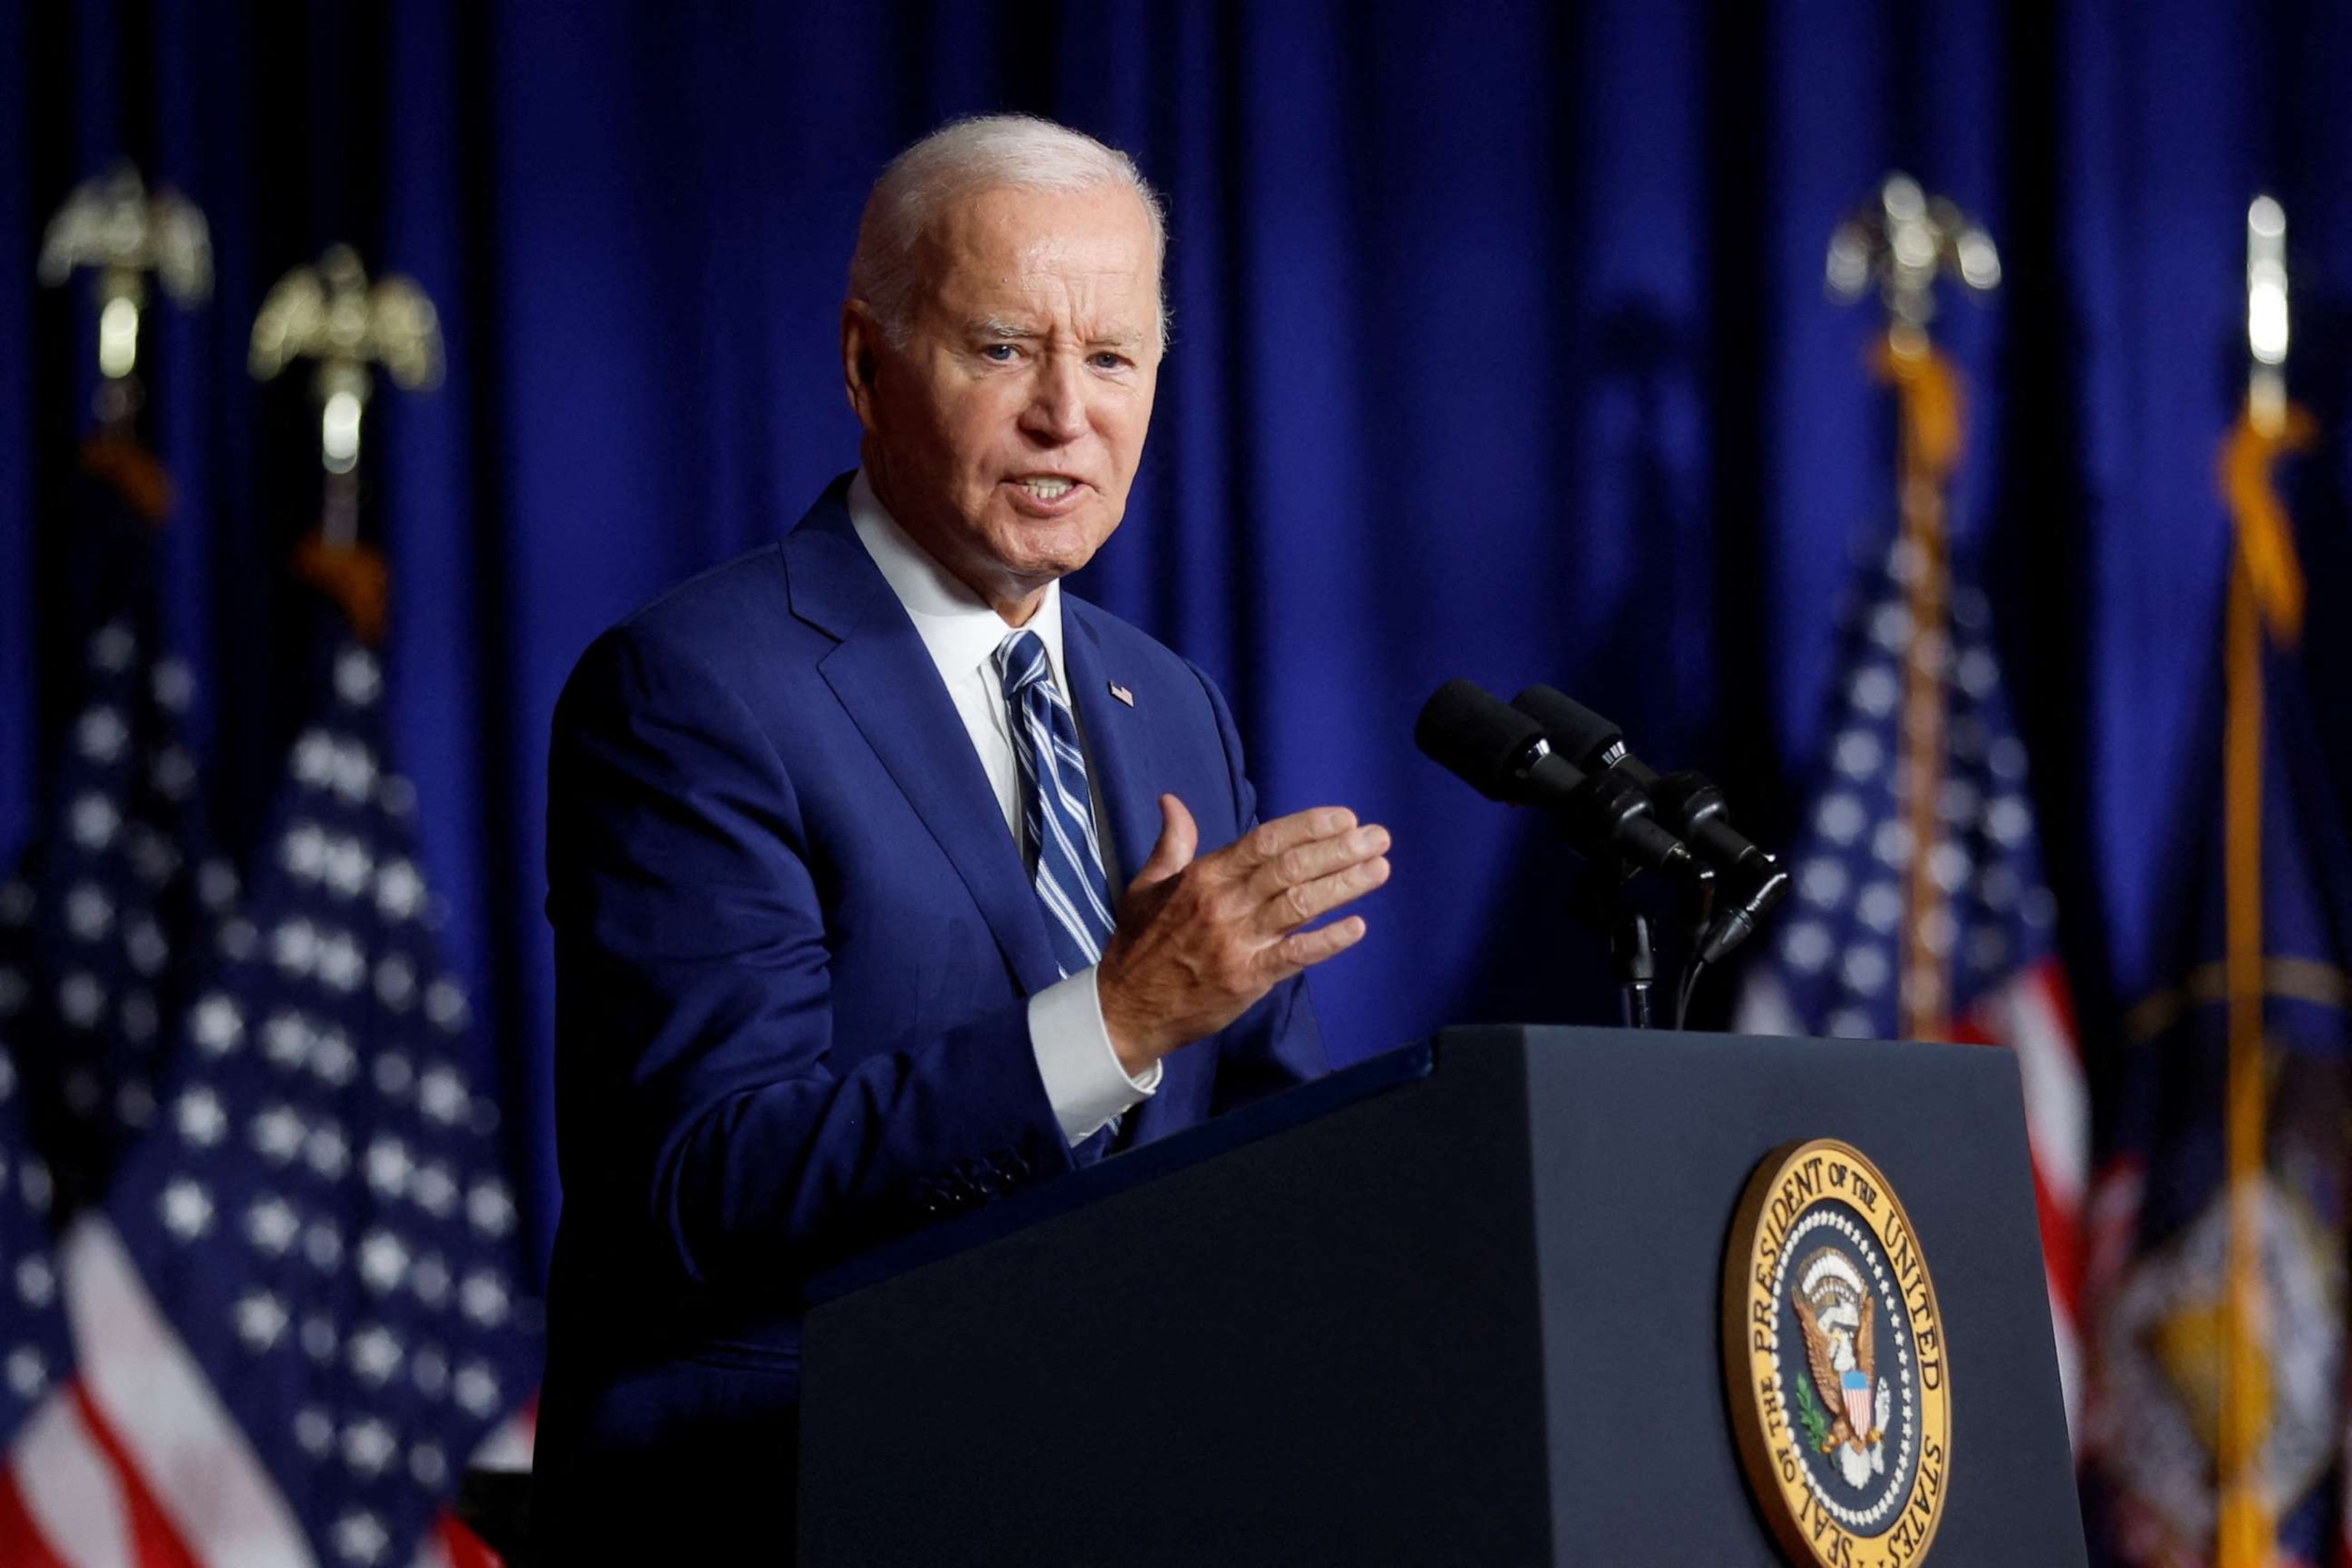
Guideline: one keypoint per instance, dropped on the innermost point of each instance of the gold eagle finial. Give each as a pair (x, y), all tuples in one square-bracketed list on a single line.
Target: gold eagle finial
[(331, 314), (110, 225)]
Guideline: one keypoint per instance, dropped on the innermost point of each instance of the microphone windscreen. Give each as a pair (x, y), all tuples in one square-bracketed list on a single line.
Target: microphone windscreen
[(1577, 732), (1474, 733)]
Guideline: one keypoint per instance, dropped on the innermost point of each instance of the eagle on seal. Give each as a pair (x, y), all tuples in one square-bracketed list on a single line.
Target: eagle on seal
[(1840, 1322)]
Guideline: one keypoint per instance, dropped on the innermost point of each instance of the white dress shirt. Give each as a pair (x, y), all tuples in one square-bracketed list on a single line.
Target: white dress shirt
[(1084, 1079)]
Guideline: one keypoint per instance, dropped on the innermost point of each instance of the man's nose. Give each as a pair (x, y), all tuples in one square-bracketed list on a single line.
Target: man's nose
[(1057, 404)]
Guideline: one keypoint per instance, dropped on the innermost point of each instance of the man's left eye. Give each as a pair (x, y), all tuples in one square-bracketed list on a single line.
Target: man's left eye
[(1108, 361)]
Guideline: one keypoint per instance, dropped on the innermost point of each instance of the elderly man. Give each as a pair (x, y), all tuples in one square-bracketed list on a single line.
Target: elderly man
[(835, 833)]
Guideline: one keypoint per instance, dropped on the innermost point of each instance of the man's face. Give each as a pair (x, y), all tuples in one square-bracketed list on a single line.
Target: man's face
[(1004, 434)]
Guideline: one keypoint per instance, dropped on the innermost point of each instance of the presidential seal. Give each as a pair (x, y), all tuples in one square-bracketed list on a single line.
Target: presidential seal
[(1834, 1361)]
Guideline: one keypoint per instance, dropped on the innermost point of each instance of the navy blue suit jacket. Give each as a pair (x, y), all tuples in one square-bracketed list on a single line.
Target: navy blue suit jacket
[(794, 948)]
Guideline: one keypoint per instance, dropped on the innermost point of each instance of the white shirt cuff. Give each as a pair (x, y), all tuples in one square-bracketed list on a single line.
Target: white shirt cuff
[(1084, 1079)]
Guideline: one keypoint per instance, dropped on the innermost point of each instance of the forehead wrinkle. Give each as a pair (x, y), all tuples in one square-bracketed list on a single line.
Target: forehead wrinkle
[(996, 328)]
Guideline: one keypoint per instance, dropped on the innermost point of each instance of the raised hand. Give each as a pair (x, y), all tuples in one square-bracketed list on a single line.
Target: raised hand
[(1199, 940)]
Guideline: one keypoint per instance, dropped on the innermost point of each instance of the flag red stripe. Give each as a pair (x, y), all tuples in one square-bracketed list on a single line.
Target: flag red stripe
[(2062, 1245), (1967, 1031), (463, 1548), (153, 1535), (2060, 996), (22, 1545), (2061, 1225)]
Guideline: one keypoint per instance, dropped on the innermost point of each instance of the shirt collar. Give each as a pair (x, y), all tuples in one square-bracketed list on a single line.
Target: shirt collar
[(957, 626)]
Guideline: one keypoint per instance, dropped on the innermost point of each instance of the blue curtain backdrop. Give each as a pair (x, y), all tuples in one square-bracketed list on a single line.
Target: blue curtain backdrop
[(1501, 350)]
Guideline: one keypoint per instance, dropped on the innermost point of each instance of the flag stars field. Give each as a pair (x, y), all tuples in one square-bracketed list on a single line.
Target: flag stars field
[(359, 1537), (145, 945), (172, 772), (369, 1447), (399, 891), (384, 1260), (388, 1167), (27, 1373), (102, 735), (261, 1320), (113, 647), (271, 1225), (237, 938), (277, 1133), (429, 1282), (374, 1356), (434, 1191), (173, 685), (428, 1465), (359, 680), (219, 1024), (137, 1017), (187, 1209), (343, 1162), (355, 1147), (199, 1117)]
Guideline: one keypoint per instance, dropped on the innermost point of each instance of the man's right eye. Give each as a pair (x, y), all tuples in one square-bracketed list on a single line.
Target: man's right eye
[(1000, 354)]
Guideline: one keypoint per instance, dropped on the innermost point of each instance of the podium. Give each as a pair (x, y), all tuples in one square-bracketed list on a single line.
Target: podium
[(1463, 1303)]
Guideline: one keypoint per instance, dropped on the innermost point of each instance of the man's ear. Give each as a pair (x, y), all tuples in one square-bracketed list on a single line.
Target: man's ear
[(861, 342)]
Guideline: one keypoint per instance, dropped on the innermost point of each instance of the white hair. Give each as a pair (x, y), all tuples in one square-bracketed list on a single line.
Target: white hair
[(960, 159)]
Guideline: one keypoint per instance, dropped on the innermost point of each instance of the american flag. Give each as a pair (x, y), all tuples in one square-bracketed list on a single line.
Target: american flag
[(99, 929), (1837, 968), (302, 1308), (98, 934)]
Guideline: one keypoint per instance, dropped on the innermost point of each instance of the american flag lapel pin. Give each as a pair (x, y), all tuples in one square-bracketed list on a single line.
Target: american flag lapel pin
[(1122, 693)]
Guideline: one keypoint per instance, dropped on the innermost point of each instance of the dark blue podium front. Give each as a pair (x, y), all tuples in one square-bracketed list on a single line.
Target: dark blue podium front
[(1460, 1304)]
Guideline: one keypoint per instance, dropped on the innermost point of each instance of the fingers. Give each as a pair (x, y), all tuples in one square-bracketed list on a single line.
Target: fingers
[(1271, 840), (1313, 872), (1300, 902), (1318, 859), (1199, 940), (1179, 836), (1305, 949)]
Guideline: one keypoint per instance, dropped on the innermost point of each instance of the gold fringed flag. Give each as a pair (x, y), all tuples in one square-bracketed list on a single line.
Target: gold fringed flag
[(2217, 1411)]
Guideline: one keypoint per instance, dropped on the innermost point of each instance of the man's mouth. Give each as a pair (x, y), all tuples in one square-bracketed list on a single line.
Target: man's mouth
[(1047, 487)]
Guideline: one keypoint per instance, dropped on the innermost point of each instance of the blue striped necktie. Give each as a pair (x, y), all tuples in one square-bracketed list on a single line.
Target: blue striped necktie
[(1056, 809)]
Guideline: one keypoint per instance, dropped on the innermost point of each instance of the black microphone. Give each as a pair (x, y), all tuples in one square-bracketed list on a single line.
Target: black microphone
[(1685, 802), (1504, 756)]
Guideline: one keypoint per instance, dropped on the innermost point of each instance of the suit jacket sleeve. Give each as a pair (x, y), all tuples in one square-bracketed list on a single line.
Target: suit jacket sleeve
[(697, 1086), (1277, 1042)]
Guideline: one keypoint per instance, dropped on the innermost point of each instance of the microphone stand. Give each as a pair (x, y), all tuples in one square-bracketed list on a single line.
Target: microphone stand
[(1694, 958), (1629, 946)]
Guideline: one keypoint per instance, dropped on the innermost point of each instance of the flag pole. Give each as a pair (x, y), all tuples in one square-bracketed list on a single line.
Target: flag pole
[(1905, 246), (2265, 601), (331, 314)]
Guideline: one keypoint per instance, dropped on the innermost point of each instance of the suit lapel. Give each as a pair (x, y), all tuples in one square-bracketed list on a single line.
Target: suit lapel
[(884, 676), (1124, 748)]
